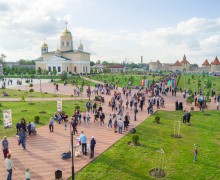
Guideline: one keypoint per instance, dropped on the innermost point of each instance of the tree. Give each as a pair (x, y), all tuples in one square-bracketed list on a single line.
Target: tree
[(105, 63), (54, 72), (39, 70), (26, 62), (194, 65), (92, 63), (2, 58), (64, 76)]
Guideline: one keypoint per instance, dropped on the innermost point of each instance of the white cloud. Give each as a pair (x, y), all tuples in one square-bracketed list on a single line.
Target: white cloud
[(24, 25)]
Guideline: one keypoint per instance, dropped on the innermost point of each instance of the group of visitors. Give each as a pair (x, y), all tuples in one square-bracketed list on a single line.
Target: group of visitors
[(123, 103)]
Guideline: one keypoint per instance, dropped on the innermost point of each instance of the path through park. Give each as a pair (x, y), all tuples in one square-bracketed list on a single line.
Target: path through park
[(43, 152)]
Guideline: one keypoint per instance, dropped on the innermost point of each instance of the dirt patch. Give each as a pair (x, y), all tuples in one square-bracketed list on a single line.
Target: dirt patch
[(132, 144), (24, 110), (42, 112), (157, 173), (176, 136)]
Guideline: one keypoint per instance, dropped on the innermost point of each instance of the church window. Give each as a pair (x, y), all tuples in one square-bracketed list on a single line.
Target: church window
[(67, 43), (49, 69), (67, 69), (62, 43), (83, 68), (75, 69), (59, 69), (86, 69), (54, 68)]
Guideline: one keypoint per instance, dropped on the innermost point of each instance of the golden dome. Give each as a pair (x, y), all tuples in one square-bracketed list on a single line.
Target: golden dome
[(44, 45), (66, 32)]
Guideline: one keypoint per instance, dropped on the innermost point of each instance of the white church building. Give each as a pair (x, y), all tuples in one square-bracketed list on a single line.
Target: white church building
[(64, 59)]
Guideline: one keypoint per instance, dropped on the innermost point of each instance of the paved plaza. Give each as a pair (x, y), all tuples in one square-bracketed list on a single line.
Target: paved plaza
[(43, 152)]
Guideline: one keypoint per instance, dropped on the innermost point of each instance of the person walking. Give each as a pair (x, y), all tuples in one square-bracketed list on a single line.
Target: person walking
[(22, 137), (5, 146), (9, 166), (120, 125), (51, 124), (83, 141), (27, 174), (135, 114), (109, 121), (87, 116), (115, 125), (102, 117), (92, 146), (195, 152), (217, 104)]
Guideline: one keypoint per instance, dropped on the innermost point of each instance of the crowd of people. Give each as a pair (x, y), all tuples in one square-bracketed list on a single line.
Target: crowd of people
[(123, 103)]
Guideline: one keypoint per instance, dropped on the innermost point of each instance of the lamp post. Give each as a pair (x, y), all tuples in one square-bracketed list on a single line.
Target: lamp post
[(40, 85), (71, 134)]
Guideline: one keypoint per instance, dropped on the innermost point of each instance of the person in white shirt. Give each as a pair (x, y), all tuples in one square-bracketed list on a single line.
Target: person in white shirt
[(9, 166), (87, 116), (27, 174)]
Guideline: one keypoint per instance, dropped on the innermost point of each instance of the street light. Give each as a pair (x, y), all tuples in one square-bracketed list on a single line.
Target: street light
[(71, 134)]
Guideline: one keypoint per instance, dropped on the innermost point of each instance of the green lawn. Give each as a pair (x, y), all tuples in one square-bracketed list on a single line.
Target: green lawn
[(192, 82), (28, 111), (14, 93), (125, 162), (123, 80), (78, 80)]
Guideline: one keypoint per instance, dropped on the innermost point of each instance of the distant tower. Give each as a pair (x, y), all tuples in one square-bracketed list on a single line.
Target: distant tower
[(184, 57), (66, 43), (44, 48), (141, 59)]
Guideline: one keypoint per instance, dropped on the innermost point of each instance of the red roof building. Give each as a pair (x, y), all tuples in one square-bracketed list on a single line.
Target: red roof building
[(177, 63), (216, 61), (206, 63), (184, 61)]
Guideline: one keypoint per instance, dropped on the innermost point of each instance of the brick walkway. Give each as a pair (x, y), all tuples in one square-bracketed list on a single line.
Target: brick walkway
[(43, 150)]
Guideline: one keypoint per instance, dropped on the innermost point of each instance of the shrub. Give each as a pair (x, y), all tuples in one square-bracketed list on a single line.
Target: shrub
[(135, 139), (157, 119), (37, 119), (30, 85), (22, 98), (0, 104), (31, 90), (190, 99), (190, 91), (77, 107)]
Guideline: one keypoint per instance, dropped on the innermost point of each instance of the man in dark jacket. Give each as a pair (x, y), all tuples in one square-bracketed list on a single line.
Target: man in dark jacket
[(92, 146)]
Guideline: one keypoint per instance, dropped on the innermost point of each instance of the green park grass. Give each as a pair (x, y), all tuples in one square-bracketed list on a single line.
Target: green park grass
[(14, 93), (196, 82), (28, 111), (125, 162), (79, 81), (123, 79)]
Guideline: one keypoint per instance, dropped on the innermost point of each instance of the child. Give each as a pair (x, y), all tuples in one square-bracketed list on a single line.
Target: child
[(27, 174)]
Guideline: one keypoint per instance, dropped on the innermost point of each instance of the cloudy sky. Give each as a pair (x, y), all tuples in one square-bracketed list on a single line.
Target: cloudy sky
[(114, 30)]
